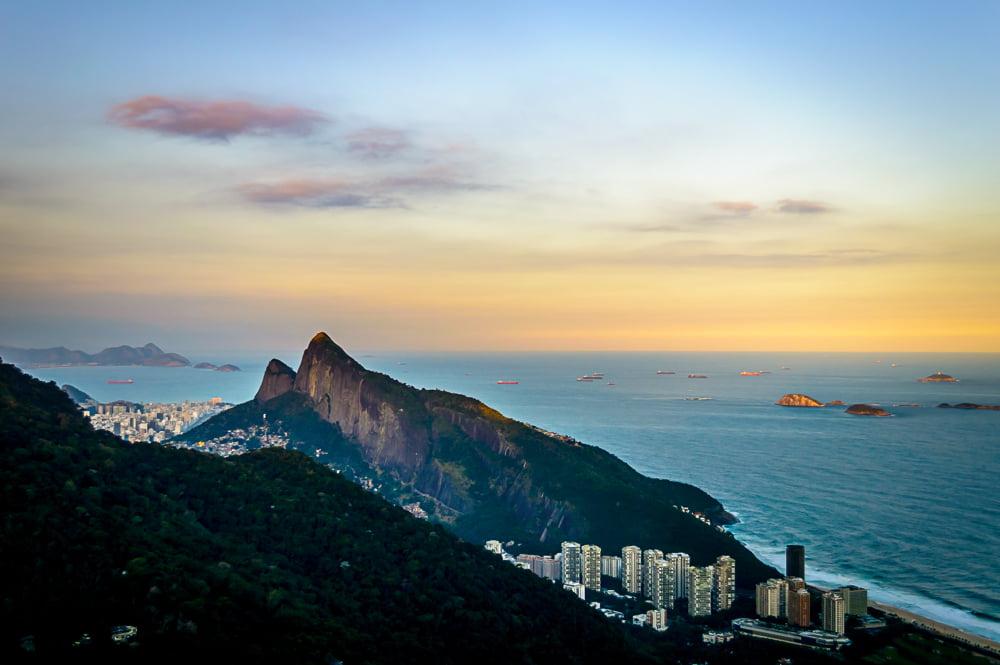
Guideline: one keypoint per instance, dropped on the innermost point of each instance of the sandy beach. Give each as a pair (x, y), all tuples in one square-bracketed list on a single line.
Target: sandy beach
[(938, 628)]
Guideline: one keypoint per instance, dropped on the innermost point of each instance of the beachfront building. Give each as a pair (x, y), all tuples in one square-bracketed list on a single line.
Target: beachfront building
[(772, 598), (795, 561), (855, 600), (799, 608), (632, 569), (833, 612)]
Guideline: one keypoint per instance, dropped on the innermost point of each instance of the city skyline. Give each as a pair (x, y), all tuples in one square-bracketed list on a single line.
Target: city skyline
[(648, 176)]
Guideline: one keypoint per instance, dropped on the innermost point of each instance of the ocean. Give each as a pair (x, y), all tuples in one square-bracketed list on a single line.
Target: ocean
[(904, 506)]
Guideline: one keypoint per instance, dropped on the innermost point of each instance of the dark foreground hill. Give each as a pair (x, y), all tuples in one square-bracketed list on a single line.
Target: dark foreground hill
[(269, 557), (485, 475)]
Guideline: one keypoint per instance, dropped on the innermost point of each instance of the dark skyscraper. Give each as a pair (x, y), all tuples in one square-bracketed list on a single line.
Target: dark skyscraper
[(795, 561)]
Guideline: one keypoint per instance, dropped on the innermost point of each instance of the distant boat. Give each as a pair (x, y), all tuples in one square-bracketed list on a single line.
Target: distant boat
[(697, 376), (660, 371), (749, 373), (696, 399), (508, 383), (125, 381)]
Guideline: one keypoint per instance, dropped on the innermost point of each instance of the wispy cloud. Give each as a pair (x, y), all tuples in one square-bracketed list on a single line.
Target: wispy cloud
[(378, 142), (742, 208), (802, 207), (385, 192), (218, 120)]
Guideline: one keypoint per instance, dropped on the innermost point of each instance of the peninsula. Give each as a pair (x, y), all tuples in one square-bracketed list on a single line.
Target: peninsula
[(149, 355), (478, 472)]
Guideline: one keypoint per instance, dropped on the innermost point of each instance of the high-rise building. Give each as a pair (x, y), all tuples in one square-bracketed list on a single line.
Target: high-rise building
[(649, 559), (494, 546), (700, 590), (577, 589), (682, 562), (591, 566), (632, 569), (795, 561), (855, 599), (799, 607), (772, 598), (611, 566), (767, 599), (551, 568), (833, 612), (572, 563), (724, 584), (662, 585)]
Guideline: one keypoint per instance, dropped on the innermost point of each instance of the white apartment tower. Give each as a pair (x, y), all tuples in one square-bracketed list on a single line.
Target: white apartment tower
[(632, 569), (649, 559), (834, 609), (681, 562)]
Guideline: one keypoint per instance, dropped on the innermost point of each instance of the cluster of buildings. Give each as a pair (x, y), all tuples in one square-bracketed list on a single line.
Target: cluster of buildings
[(239, 441), (661, 578), (150, 422)]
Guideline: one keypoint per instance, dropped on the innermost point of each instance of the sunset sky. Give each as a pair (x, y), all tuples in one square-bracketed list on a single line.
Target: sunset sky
[(519, 175)]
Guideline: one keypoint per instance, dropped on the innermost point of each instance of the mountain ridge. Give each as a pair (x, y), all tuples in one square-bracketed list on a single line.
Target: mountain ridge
[(490, 476)]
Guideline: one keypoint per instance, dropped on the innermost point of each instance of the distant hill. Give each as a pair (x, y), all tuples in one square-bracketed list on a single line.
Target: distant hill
[(149, 355), (264, 558), (482, 474)]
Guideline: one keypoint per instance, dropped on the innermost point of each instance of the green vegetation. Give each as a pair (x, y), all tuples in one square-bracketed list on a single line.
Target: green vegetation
[(256, 558)]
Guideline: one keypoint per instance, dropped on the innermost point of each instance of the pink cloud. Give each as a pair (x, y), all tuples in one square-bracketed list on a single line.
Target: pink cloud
[(377, 142), (801, 207), (736, 207), (213, 120), (377, 193)]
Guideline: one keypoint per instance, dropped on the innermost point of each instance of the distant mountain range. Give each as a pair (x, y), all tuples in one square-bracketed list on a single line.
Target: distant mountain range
[(149, 355), (482, 474)]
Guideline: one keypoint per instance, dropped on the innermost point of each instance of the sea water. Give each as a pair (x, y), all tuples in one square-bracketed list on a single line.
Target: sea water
[(905, 506)]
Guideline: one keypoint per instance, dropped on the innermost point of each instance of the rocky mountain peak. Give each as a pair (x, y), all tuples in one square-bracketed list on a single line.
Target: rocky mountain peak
[(278, 379)]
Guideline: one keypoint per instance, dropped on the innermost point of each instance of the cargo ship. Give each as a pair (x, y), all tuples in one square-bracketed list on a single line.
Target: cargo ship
[(508, 383), (660, 371), (125, 381)]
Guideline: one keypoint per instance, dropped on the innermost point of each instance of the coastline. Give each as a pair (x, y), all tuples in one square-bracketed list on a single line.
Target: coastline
[(966, 637)]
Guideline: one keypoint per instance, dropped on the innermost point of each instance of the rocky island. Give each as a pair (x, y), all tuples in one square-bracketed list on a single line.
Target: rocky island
[(796, 399), (866, 410), (970, 406), (937, 377), (218, 368)]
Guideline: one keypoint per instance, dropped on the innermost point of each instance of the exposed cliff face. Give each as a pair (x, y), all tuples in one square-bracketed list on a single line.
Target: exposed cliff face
[(278, 379), (493, 476), (363, 405), (795, 399)]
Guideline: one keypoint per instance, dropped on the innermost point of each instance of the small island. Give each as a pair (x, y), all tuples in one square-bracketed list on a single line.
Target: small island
[(937, 377), (866, 410), (795, 399), (969, 405), (218, 368)]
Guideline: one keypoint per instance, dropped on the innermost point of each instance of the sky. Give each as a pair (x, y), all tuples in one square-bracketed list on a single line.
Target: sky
[(738, 176)]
